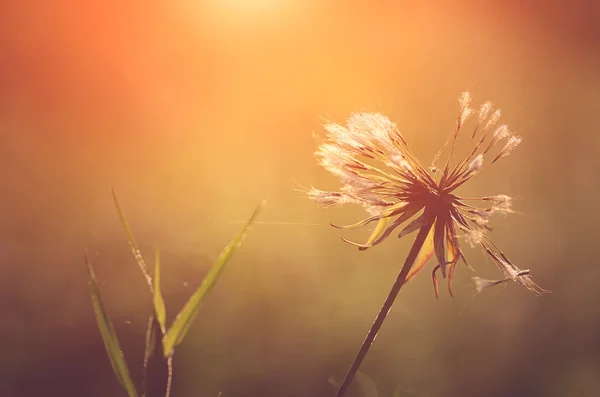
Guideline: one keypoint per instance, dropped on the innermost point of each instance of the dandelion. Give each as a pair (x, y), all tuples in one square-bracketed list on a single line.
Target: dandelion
[(378, 170)]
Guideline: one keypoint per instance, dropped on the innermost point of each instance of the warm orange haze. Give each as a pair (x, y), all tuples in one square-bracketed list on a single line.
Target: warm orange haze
[(196, 111)]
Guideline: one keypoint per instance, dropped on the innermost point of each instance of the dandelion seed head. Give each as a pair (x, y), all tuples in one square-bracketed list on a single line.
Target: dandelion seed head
[(378, 171)]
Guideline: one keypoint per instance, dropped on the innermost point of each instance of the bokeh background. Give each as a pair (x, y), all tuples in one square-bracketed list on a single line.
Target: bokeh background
[(195, 111)]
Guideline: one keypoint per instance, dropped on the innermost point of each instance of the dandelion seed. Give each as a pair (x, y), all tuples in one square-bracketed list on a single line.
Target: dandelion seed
[(485, 214), (501, 132), (500, 199), (400, 162), (480, 221), (465, 111), (493, 120), (511, 144), (326, 199), (474, 237), (475, 164), (482, 283), (484, 111)]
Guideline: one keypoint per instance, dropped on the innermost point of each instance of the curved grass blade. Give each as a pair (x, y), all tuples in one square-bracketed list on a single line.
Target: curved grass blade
[(150, 342), (157, 299), (186, 316), (134, 247), (109, 336), (149, 349)]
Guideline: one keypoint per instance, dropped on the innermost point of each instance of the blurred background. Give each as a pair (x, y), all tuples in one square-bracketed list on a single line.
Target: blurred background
[(195, 111)]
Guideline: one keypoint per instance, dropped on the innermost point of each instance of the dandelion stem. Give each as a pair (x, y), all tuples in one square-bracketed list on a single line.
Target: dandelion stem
[(385, 308)]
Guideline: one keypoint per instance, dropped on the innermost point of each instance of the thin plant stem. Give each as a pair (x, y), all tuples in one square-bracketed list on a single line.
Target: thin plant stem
[(383, 312)]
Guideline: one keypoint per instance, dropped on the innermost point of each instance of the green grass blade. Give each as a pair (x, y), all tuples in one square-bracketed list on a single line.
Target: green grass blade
[(186, 316), (151, 332), (149, 350), (137, 254), (159, 303), (158, 370), (109, 336)]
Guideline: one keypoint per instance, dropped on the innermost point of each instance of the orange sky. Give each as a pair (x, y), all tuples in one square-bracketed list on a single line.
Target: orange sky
[(195, 111)]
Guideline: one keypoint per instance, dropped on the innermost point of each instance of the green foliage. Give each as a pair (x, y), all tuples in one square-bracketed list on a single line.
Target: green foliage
[(109, 336), (151, 340), (157, 335), (134, 247), (159, 304)]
